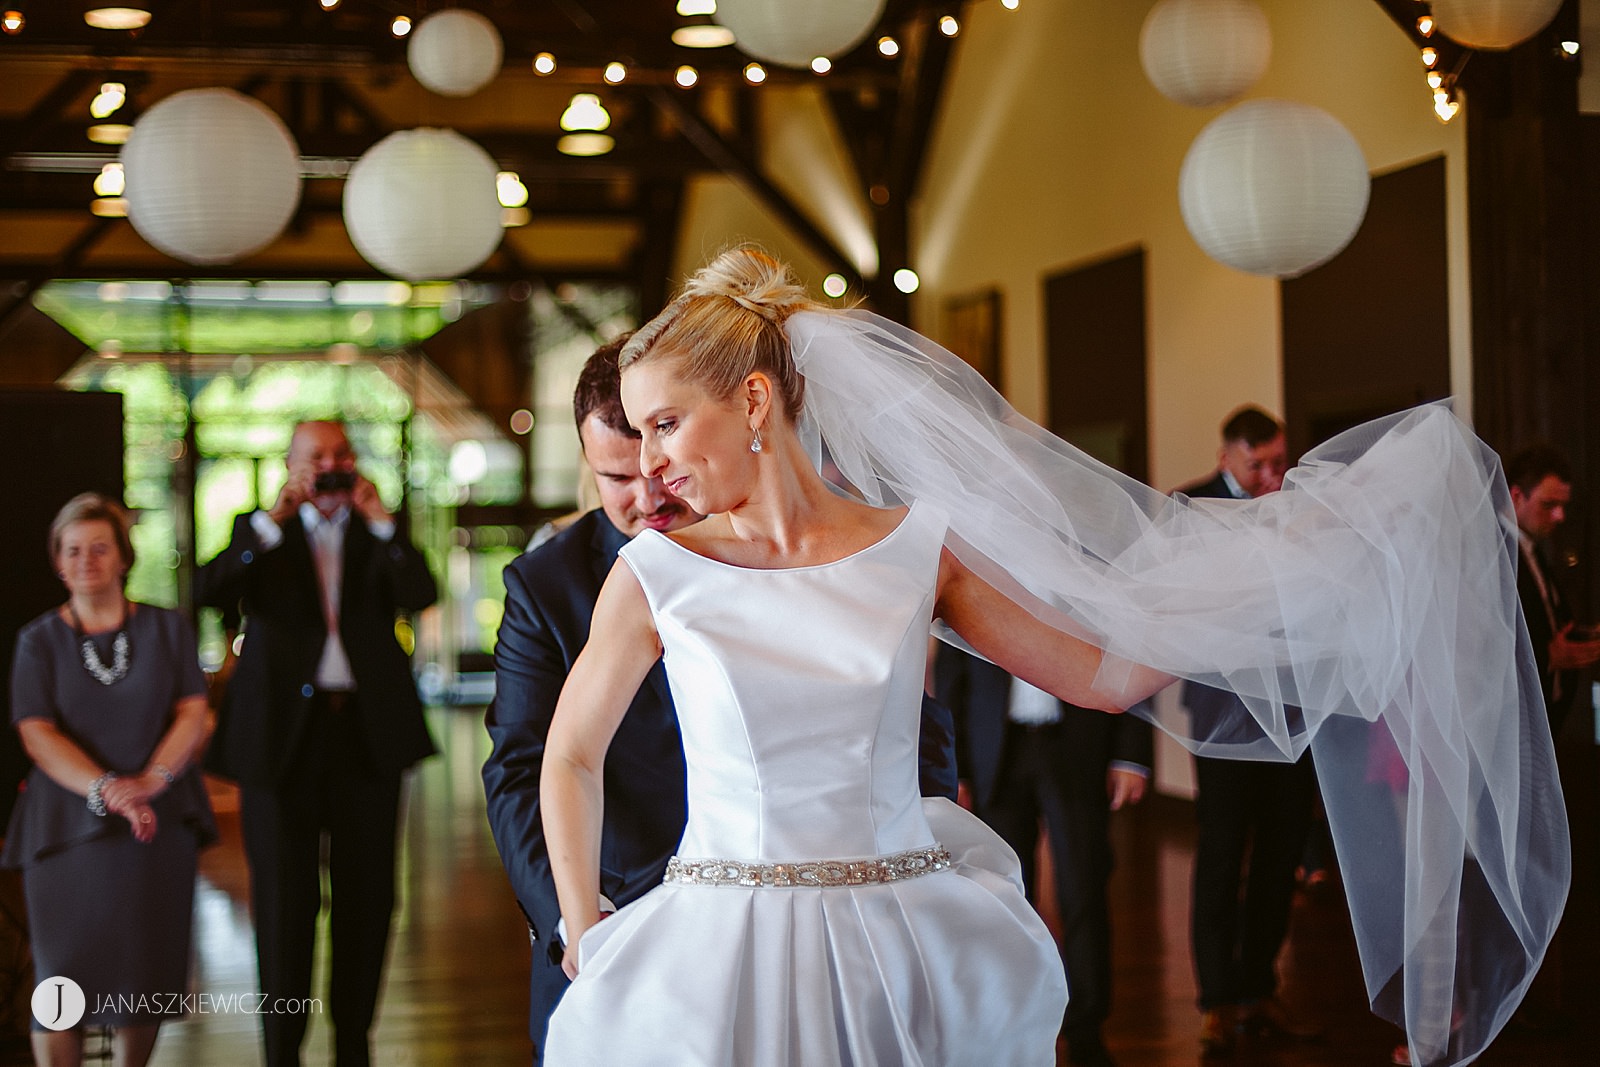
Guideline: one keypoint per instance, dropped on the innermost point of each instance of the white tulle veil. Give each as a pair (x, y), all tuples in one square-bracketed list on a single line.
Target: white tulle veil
[(1368, 611)]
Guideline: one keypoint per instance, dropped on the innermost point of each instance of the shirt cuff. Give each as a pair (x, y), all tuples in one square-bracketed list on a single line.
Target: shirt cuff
[(383, 530), (267, 531), (1127, 765)]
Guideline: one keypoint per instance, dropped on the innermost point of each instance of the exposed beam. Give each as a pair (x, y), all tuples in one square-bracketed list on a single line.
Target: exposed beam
[(69, 259)]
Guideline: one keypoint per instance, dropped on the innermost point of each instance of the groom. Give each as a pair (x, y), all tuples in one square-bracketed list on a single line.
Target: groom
[(550, 598)]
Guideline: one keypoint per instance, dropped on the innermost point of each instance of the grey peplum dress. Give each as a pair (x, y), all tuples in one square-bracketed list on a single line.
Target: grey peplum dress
[(104, 910)]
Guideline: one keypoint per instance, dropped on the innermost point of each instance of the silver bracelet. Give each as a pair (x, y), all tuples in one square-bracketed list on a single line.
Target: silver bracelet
[(95, 800), (163, 772)]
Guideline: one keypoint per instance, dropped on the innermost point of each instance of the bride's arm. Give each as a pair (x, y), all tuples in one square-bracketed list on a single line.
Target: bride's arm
[(621, 648), (1006, 634)]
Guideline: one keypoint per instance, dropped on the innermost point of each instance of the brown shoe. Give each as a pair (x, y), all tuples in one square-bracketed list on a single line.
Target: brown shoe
[(1268, 1018), (1216, 1031)]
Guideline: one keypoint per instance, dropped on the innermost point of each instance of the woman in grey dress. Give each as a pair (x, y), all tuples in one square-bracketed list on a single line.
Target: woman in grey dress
[(110, 703)]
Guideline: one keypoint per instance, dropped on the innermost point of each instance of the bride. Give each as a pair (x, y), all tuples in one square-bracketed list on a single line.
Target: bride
[(819, 911)]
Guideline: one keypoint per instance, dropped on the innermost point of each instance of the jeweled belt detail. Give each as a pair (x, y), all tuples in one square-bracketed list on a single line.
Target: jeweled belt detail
[(824, 874)]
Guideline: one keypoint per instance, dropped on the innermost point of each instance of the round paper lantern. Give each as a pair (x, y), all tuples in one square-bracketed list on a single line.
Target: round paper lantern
[(455, 52), (1493, 25), (1204, 52), (212, 175), (1274, 187), (792, 35), (421, 204)]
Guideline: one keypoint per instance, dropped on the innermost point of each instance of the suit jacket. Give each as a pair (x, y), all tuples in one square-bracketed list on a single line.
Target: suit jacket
[(550, 597), (1540, 634), (978, 693), (263, 717)]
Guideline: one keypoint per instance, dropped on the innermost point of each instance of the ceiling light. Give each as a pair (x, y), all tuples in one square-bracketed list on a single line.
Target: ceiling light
[(544, 63), (906, 280), (821, 65), (508, 185), (110, 181), (12, 22), (687, 8), (702, 36), (110, 133), (888, 46), (585, 144), (109, 207), (949, 26), (755, 73), (615, 73), (112, 95), (400, 26), (585, 112), (686, 76), (117, 18)]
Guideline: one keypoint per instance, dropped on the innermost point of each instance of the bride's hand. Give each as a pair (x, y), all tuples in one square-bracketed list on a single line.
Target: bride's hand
[(569, 961)]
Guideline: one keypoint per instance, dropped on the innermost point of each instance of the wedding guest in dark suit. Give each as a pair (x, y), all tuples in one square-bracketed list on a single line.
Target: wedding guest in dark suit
[(1026, 757), (550, 597), (320, 721), (1254, 816), (1541, 492)]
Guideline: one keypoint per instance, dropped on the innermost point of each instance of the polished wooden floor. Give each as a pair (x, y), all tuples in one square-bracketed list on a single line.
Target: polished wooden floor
[(456, 987)]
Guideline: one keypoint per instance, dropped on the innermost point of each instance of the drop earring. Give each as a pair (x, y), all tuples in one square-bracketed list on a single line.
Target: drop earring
[(755, 445)]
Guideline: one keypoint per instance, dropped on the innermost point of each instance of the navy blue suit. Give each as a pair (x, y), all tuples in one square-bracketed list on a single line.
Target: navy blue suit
[(550, 598)]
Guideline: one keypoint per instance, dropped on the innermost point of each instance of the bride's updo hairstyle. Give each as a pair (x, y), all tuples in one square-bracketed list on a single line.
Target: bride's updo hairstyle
[(728, 322)]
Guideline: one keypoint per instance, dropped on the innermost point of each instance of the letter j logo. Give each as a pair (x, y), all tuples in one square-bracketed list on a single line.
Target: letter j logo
[(58, 1003)]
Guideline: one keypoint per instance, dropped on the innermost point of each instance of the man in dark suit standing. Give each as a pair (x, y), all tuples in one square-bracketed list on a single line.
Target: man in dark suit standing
[(1025, 756), (319, 721), (1246, 808), (1541, 491), (550, 598)]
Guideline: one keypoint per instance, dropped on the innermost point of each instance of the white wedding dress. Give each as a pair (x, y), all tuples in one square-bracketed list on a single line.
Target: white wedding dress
[(799, 696)]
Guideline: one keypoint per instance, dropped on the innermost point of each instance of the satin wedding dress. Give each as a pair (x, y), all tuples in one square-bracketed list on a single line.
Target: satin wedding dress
[(819, 912)]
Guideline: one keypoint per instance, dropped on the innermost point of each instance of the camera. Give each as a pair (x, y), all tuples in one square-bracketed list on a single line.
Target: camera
[(335, 481)]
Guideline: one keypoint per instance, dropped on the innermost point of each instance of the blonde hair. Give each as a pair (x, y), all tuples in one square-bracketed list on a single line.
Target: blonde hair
[(726, 323), (94, 507)]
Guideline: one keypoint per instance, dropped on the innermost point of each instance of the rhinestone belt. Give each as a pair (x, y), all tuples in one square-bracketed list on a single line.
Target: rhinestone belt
[(810, 873)]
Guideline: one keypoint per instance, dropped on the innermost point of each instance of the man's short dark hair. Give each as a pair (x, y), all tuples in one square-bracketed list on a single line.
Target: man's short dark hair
[(1252, 426), (599, 391), (1531, 465)]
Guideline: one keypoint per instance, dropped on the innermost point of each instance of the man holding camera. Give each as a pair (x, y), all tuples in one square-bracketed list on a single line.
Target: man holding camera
[(318, 723)]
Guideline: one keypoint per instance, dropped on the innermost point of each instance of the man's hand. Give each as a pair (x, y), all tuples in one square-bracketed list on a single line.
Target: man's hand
[(1125, 787), (298, 488), (364, 498), (1573, 653)]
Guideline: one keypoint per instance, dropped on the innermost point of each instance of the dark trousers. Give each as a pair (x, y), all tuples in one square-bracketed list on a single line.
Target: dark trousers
[(332, 809), (1049, 776), (1254, 817)]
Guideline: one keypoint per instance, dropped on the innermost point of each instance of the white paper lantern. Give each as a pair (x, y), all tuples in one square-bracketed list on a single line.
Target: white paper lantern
[(212, 175), (455, 52), (1274, 187), (1204, 52), (792, 34), (1493, 25), (421, 204)]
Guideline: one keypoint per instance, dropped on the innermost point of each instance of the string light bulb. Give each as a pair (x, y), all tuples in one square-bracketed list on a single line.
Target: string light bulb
[(544, 63), (1445, 105), (949, 26), (1435, 79), (1425, 25), (112, 95), (821, 65), (328, 5), (12, 22), (755, 73), (888, 46), (686, 76), (615, 73), (400, 26), (1430, 57), (1009, 5)]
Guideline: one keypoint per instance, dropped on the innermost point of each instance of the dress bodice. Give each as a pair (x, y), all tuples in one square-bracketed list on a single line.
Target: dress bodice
[(798, 694)]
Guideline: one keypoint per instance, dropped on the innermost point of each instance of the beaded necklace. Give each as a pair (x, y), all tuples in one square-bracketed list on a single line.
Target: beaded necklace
[(120, 649)]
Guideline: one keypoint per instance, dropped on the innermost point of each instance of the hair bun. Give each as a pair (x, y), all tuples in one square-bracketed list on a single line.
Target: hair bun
[(753, 280)]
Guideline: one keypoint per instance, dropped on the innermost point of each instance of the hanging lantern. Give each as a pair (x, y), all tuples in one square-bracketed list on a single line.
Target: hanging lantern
[(454, 52), (1274, 187), (212, 175), (423, 204), (778, 32), (1493, 25), (1204, 52)]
